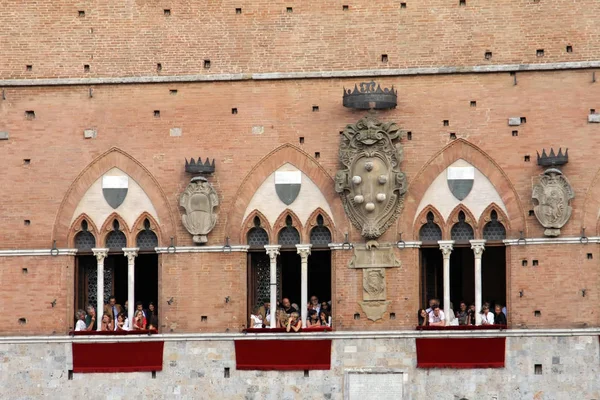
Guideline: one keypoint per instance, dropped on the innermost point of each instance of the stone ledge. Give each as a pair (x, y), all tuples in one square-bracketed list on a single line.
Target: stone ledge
[(301, 75), (36, 252), (225, 337), (201, 249)]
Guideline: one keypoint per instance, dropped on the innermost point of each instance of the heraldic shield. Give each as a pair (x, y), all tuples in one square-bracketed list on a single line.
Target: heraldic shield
[(371, 184)]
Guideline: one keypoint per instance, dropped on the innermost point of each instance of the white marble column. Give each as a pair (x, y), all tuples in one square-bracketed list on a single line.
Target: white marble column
[(478, 247), (131, 253), (446, 248), (100, 254), (304, 251), (273, 252)]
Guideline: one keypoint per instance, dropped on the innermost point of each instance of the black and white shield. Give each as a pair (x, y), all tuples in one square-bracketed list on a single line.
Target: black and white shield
[(114, 189), (460, 181), (287, 185)]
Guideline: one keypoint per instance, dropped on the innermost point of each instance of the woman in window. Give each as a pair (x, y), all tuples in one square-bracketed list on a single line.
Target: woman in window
[(487, 318), (122, 322), (256, 320), (152, 317), (313, 319), (294, 322), (107, 324), (80, 325), (324, 318), (139, 322), (423, 317)]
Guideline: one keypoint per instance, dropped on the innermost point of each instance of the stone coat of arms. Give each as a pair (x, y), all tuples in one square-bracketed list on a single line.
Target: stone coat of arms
[(371, 184), (553, 194), (199, 200)]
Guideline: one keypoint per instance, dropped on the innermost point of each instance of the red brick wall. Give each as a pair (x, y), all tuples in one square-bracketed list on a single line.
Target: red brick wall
[(130, 38)]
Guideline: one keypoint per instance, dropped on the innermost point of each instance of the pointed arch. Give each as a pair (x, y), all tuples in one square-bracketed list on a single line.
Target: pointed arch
[(286, 153), (138, 227), (311, 223), (280, 224), (485, 218), (107, 228), (249, 224), (113, 158), (421, 220), (453, 219), (76, 228), (462, 149)]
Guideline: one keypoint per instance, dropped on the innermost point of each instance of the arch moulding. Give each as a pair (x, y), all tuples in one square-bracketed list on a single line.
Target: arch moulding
[(462, 149), (269, 164), (113, 158)]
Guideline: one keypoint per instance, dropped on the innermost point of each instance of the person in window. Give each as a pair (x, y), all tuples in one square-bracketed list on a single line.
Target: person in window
[(499, 317), (432, 302), (471, 315), (256, 320), (90, 319), (152, 317), (487, 318), (265, 313), (423, 317), (313, 319), (294, 322), (112, 308), (451, 318), (436, 316), (462, 314), (107, 323), (80, 325), (287, 306), (282, 318), (325, 306), (139, 306), (325, 318), (122, 322), (314, 304), (139, 322)]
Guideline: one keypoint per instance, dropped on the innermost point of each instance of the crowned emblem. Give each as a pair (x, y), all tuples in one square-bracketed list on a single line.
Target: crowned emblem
[(199, 200), (371, 183), (552, 193)]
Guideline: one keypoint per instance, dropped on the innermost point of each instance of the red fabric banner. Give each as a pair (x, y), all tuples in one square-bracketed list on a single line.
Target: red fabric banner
[(118, 357), (461, 352), (283, 355), (462, 328)]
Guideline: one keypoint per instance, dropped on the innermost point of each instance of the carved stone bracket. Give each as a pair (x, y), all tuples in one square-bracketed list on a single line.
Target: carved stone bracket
[(371, 184), (374, 309), (381, 257), (552, 194), (199, 200)]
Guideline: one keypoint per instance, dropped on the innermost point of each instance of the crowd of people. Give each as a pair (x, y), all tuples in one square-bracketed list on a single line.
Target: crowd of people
[(434, 315), (288, 315), (114, 317)]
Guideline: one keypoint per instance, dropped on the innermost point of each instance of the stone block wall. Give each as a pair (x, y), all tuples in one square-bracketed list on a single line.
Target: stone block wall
[(195, 370)]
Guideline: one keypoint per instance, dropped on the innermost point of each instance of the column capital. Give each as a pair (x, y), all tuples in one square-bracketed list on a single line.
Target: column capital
[(272, 250), (303, 250), (446, 246), (478, 246), (131, 253), (100, 253)]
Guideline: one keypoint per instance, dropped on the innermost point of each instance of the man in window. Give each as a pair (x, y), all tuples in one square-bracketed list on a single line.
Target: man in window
[(314, 304), (432, 302), (287, 306), (112, 309), (436, 316)]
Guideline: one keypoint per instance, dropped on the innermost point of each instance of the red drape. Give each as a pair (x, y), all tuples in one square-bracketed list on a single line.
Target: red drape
[(283, 355), (461, 328), (118, 357), (280, 330), (460, 352)]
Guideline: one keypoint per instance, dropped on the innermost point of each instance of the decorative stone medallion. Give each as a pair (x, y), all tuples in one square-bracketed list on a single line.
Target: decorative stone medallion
[(371, 184), (199, 200), (552, 192), (374, 284)]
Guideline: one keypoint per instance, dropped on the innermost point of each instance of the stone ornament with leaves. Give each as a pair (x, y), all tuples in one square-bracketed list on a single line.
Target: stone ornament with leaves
[(371, 184)]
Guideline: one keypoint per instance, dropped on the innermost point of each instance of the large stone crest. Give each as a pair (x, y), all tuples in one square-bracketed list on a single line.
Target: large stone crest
[(553, 193), (371, 183), (199, 200)]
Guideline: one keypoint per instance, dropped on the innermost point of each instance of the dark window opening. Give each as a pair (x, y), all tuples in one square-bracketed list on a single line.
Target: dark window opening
[(462, 231), (147, 239), (84, 240), (288, 236), (494, 230), (430, 232)]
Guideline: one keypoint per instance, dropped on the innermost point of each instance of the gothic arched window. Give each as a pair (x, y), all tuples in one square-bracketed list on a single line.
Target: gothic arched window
[(288, 236), (257, 236), (430, 232), (85, 240), (116, 239), (320, 235), (461, 231), (147, 239), (494, 230)]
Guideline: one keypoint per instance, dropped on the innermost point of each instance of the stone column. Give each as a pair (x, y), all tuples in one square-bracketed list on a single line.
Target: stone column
[(131, 254), (273, 252), (478, 247), (100, 254), (304, 251), (446, 248)]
